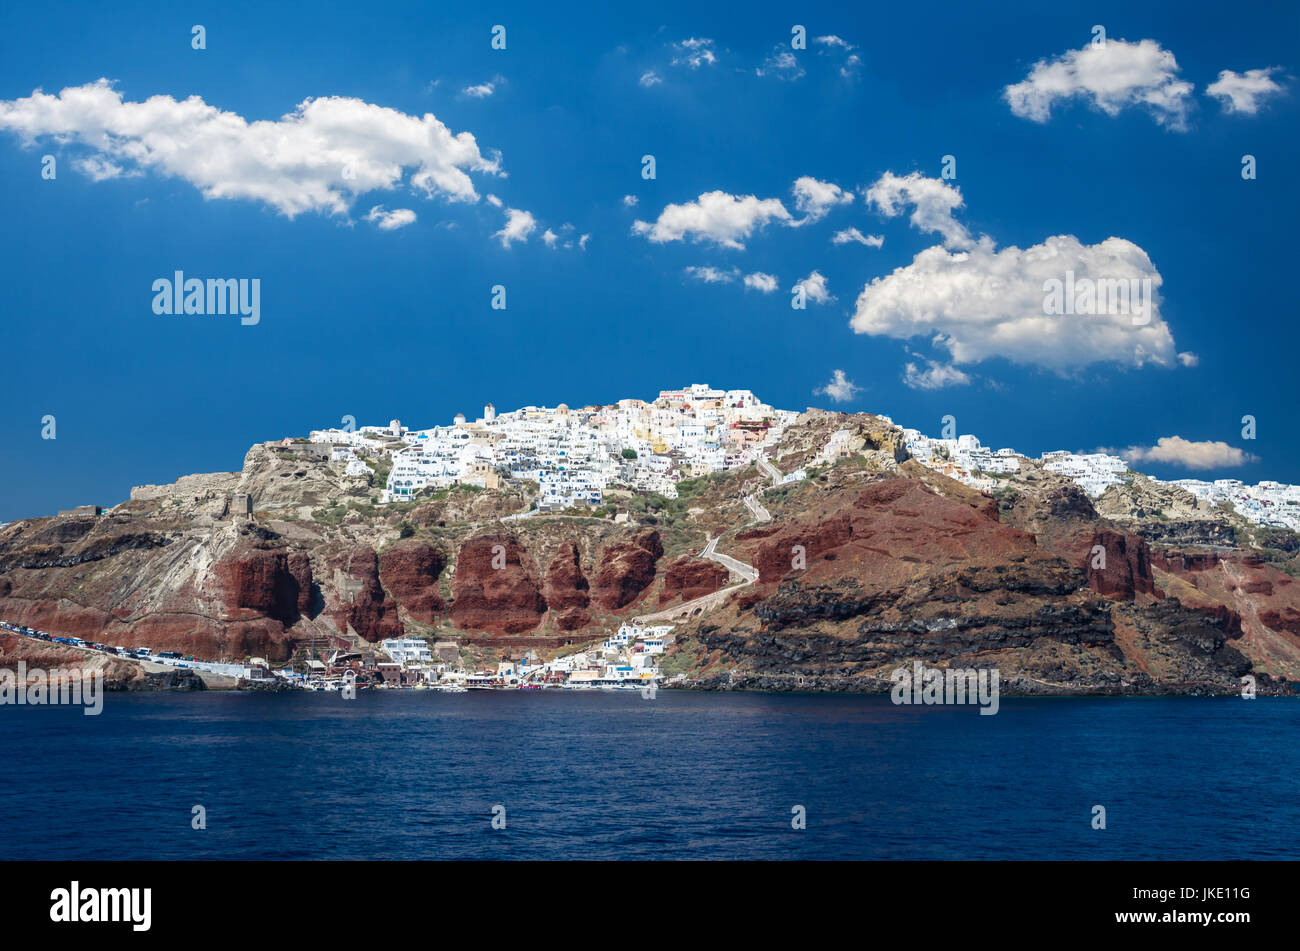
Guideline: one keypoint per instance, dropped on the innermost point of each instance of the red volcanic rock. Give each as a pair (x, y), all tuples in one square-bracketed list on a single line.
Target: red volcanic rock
[(1184, 563), (370, 613), (688, 578), (409, 571), (627, 569), (299, 565), (566, 585), (1285, 618), (270, 584), (1127, 568), (492, 589), (573, 619), (889, 533)]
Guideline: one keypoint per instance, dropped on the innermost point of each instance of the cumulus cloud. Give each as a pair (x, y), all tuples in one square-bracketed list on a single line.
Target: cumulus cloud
[(1113, 75), (1177, 451), (761, 282), (933, 202), (815, 199), (711, 275), (717, 217), (100, 169), (481, 91), (1189, 359), (853, 235), (782, 64), (984, 303), (840, 389), (390, 220), (814, 288), (318, 157), (836, 47), (693, 53), (1244, 92), (649, 78), (935, 376), (519, 225), (550, 238), (629, 201)]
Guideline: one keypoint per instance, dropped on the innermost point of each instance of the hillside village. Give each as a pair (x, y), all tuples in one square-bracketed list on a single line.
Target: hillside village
[(575, 455)]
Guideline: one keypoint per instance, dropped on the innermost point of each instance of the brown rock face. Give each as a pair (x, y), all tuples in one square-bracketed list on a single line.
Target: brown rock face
[(688, 578), (1183, 563), (1127, 570), (493, 591), (370, 613), (573, 619), (889, 532), (410, 570), (268, 584), (566, 585), (627, 569)]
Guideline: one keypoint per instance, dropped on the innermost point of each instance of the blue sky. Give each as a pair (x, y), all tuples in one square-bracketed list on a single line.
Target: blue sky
[(376, 323)]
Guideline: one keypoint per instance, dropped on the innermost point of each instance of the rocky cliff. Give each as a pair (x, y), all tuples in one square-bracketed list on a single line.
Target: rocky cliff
[(870, 562)]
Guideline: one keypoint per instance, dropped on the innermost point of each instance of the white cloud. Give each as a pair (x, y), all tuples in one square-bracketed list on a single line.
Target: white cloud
[(629, 201), (723, 219), (1243, 92), (390, 220), (935, 376), (649, 78), (984, 303), (1177, 451), (1189, 359), (519, 225), (550, 238), (481, 91), (814, 288), (1112, 76), (318, 157), (694, 52), (761, 282), (840, 388), (853, 234), (835, 46), (815, 199), (711, 275), (782, 64), (582, 242), (494, 201), (933, 203), (100, 169)]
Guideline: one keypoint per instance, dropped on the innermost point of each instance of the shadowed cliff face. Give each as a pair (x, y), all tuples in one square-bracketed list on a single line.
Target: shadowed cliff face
[(409, 571), (369, 611), (627, 569), (493, 589), (687, 578), (865, 565)]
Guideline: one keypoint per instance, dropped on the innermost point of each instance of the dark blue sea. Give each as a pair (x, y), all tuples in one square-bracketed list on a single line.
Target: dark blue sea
[(684, 775)]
